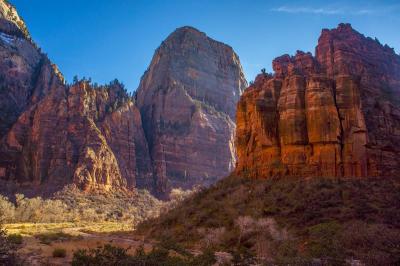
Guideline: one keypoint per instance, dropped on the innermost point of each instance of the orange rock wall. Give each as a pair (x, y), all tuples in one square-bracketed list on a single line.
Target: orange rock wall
[(325, 115)]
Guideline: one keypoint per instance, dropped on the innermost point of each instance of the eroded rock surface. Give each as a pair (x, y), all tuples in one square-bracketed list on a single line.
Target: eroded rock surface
[(53, 134), (26, 74), (187, 99), (90, 137), (335, 114)]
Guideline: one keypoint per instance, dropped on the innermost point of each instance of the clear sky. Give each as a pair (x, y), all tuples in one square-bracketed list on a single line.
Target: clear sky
[(105, 39)]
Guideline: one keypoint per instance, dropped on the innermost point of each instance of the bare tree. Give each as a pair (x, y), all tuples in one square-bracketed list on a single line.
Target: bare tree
[(245, 225), (212, 236)]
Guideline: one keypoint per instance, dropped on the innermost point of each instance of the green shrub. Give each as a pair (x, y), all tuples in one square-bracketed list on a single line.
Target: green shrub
[(15, 239), (315, 213), (47, 238), (59, 253), (111, 255), (324, 242)]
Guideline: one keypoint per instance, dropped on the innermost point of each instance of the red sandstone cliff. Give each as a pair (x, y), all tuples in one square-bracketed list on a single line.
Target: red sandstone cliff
[(26, 74), (335, 114), (52, 134), (188, 98), (90, 137)]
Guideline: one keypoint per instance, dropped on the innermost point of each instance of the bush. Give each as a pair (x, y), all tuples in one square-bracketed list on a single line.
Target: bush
[(324, 242), (15, 239), (111, 255), (47, 238), (105, 255), (73, 205), (302, 220), (59, 253), (7, 210)]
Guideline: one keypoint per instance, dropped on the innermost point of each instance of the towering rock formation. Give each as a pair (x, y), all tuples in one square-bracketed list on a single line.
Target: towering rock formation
[(187, 99), (335, 114), (52, 134), (90, 137)]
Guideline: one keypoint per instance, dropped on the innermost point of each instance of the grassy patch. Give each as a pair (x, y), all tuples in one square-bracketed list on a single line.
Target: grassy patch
[(32, 229)]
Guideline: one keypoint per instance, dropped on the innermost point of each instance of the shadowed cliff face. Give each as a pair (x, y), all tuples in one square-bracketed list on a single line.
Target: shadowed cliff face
[(187, 99), (335, 114)]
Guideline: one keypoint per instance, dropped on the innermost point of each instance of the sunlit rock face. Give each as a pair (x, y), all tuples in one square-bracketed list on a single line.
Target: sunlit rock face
[(187, 99), (335, 114), (52, 134), (89, 137)]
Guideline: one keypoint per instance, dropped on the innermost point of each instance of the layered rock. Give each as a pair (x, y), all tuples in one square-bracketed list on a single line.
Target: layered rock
[(52, 134), (9, 13), (335, 114), (187, 99), (90, 137), (26, 75)]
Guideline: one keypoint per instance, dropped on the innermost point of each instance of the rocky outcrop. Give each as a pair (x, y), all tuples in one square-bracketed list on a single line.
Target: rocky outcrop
[(187, 99), (9, 13), (335, 114), (90, 137)]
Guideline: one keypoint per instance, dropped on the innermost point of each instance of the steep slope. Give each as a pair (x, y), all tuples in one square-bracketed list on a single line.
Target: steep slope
[(187, 99), (9, 13), (289, 221), (335, 114), (25, 73)]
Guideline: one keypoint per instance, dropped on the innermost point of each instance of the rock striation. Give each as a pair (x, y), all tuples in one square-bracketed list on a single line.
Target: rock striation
[(335, 114), (187, 98), (90, 137), (53, 134), (26, 75)]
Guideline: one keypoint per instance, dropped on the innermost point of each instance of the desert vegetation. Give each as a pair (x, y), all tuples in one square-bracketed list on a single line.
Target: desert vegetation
[(290, 221), (56, 227), (73, 205), (162, 254)]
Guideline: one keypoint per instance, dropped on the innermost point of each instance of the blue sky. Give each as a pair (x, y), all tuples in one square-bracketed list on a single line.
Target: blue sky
[(105, 39)]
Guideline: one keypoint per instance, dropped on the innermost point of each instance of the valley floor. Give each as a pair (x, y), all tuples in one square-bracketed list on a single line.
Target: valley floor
[(39, 240)]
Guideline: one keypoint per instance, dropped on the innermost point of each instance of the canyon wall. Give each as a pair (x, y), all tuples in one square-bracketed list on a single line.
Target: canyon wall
[(92, 138), (187, 99), (53, 134), (178, 132), (335, 114)]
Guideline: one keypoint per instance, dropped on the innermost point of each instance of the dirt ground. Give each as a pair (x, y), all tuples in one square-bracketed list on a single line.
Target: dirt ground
[(33, 251)]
